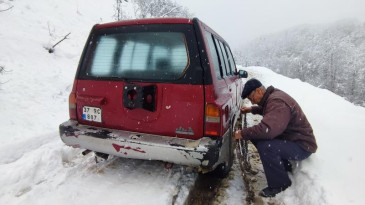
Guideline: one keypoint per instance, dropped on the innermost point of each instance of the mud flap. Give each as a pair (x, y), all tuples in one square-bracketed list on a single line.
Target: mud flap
[(212, 156), (223, 169)]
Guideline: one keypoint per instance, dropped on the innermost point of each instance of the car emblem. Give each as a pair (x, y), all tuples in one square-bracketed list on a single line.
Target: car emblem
[(183, 131)]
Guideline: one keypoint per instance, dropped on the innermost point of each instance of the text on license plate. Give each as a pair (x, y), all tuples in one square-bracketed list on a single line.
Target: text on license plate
[(91, 113)]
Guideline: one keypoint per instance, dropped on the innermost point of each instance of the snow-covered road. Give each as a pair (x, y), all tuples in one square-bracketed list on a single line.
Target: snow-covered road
[(45, 171)]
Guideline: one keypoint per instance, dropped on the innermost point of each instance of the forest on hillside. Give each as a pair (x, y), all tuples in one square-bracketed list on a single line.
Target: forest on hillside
[(137, 9), (328, 56)]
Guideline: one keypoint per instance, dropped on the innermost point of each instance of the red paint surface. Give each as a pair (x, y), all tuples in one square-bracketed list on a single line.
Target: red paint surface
[(177, 105), (119, 147), (146, 21)]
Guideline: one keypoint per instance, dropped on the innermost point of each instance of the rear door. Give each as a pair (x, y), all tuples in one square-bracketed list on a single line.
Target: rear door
[(233, 81), (142, 78), (227, 71)]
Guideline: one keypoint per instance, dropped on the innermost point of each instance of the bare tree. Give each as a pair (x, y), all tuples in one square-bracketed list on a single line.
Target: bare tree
[(51, 49), (119, 9), (3, 71), (7, 9), (159, 9)]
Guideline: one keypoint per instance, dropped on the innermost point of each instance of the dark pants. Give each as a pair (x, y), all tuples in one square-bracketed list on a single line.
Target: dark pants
[(273, 154)]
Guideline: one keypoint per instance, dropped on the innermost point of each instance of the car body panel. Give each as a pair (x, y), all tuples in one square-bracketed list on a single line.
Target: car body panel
[(179, 108)]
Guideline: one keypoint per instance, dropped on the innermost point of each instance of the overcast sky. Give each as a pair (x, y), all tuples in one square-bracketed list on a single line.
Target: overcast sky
[(239, 21)]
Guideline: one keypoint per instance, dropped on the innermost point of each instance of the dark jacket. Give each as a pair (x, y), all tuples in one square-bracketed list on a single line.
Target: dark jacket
[(282, 119)]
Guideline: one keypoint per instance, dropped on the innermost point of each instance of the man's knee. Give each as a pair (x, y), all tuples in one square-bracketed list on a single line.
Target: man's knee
[(264, 146)]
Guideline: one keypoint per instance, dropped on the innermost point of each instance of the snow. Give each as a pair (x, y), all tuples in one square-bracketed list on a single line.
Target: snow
[(37, 168)]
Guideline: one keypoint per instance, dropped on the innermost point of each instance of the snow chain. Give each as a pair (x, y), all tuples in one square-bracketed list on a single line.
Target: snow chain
[(244, 144), (244, 161)]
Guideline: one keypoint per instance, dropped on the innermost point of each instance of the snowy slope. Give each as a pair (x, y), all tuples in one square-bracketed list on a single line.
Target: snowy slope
[(36, 167), (37, 80)]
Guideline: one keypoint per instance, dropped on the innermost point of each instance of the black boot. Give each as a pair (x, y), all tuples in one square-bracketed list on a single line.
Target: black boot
[(271, 192)]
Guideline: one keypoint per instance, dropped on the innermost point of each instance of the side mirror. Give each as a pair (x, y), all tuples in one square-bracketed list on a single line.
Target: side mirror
[(242, 74)]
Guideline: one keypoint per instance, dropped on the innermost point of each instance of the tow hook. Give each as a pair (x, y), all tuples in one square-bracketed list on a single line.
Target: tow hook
[(85, 152)]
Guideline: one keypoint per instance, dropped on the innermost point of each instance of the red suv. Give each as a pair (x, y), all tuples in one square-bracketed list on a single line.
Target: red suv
[(156, 89)]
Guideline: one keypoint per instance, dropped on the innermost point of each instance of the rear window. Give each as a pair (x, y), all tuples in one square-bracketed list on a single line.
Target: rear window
[(152, 55)]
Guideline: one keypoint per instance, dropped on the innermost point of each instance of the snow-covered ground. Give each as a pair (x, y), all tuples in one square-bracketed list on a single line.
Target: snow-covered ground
[(37, 168)]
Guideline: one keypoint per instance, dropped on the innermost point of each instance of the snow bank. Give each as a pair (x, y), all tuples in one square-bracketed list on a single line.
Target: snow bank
[(35, 166)]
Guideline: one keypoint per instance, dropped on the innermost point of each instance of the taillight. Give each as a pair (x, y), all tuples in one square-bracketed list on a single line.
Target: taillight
[(72, 106), (212, 120)]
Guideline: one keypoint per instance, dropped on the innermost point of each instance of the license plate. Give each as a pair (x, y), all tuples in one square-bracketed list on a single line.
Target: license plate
[(91, 114)]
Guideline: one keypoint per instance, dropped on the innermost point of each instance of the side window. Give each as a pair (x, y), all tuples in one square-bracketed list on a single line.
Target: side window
[(221, 58), (231, 60), (214, 54), (225, 56)]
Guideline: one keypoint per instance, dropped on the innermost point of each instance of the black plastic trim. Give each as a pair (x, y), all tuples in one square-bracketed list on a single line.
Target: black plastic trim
[(192, 75)]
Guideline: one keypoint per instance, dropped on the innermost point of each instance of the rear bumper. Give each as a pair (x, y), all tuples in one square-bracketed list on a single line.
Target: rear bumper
[(204, 153)]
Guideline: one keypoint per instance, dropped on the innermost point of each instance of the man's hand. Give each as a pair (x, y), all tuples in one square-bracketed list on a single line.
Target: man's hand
[(237, 134), (246, 109)]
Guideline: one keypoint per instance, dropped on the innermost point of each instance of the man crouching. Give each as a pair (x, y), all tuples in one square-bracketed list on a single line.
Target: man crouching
[(283, 134)]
